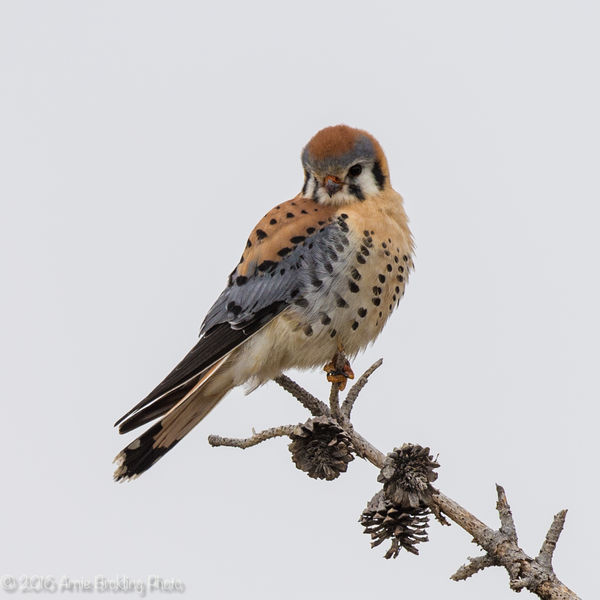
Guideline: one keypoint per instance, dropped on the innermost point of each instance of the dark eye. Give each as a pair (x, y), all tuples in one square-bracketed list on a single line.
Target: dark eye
[(355, 170)]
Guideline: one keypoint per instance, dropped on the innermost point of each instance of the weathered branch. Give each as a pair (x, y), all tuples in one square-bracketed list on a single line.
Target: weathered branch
[(312, 404), (256, 438), (355, 390), (501, 546), (473, 566)]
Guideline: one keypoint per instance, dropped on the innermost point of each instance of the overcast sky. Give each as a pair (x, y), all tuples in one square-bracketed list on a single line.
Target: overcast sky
[(139, 144)]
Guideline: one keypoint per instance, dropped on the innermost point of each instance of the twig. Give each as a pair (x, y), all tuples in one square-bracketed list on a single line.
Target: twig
[(355, 390), (473, 566), (312, 404), (549, 545), (339, 362), (256, 438)]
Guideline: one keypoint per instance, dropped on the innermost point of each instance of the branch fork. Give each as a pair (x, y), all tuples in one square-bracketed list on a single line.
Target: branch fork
[(325, 444)]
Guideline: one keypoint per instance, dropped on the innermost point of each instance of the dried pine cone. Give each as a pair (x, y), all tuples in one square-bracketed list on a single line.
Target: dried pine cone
[(405, 526), (407, 474), (321, 448)]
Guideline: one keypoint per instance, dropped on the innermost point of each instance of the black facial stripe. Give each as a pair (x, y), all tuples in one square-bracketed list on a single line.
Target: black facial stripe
[(314, 196), (306, 178), (356, 191), (378, 174)]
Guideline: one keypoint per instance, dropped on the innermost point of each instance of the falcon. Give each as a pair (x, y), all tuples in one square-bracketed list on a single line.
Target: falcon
[(319, 273)]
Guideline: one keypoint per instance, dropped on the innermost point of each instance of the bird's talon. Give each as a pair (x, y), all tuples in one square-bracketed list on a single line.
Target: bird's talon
[(339, 377)]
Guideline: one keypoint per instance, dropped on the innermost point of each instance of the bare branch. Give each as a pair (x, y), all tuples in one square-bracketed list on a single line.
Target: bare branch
[(501, 546), (256, 438), (312, 404), (506, 519), (355, 390), (334, 401), (473, 566), (549, 545)]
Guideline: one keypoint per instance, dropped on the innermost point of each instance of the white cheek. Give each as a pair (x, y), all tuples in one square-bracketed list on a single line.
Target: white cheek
[(367, 184)]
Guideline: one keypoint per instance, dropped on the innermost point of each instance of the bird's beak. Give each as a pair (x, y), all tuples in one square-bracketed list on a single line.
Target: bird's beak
[(332, 184)]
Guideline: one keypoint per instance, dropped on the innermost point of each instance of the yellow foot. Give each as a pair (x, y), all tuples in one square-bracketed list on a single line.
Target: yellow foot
[(339, 377)]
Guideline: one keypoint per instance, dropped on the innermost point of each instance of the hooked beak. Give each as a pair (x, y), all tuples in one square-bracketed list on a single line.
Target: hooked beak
[(332, 184)]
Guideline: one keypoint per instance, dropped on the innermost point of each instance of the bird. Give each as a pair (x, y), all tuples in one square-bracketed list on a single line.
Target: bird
[(319, 273)]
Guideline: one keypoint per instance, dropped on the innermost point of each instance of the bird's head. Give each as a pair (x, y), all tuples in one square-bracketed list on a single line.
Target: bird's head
[(343, 165)]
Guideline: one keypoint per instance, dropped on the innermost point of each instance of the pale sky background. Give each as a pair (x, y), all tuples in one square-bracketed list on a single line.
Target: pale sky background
[(139, 144)]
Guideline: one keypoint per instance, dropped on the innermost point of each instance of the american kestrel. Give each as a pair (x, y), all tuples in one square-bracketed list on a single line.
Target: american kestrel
[(320, 272)]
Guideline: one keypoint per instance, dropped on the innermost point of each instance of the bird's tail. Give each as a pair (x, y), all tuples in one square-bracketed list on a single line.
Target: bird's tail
[(156, 441)]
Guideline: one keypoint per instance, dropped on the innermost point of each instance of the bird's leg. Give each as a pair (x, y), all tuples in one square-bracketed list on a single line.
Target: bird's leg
[(339, 369)]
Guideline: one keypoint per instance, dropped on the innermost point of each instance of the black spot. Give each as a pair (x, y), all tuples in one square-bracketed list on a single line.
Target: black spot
[(397, 290), (277, 207), (341, 302), (353, 287), (304, 212), (376, 301), (284, 251), (293, 203), (333, 333), (325, 319), (366, 232), (389, 268), (378, 175), (241, 280), (356, 191), (380, 314), (394, 298), (381, 278), (396, 259), (339, 247), (361, 259), (317, 282), (234, 308), (272, 221), (344, 240), (294, 292), (343, 225), (308, 330), (390, 307), (303, 302), (297, 239), (355, 325), (401, 269), (282, 271), (328, 267), (248, 244), (260, 234), (355, 274), (399, 278), (344, 216), (364, 250), (405, 258), (376, 290), (332, 254), (310, 230), (289, 215), (265, 265), (362, 312), (386, 252), (368, 242), (321, 222), (383, 245)]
